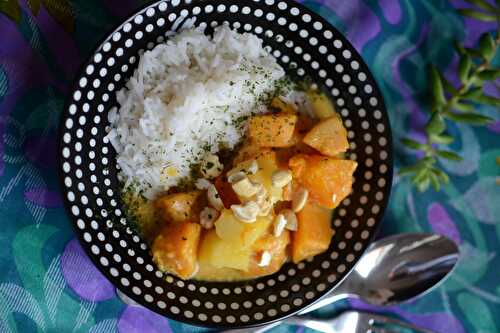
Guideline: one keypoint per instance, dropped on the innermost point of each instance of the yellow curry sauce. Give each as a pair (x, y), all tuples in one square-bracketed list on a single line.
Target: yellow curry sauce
[(269, 203)]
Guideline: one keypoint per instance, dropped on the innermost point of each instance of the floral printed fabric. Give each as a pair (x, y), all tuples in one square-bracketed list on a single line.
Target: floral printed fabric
[(47, 283)]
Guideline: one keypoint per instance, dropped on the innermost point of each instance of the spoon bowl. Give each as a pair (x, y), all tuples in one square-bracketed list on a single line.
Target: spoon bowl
[(397, 269)]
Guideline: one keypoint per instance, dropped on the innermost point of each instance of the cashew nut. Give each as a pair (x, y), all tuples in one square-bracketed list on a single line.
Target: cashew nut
[(279, 225), (202, 184), (253, 167), (261, 195), (248, 168), (211, 167), (208, 216), (299, 199), (235, 177), (291, 219), (281, 178), (214, 198), (246, 213), (245, 188), (265, 259), (265, 207)]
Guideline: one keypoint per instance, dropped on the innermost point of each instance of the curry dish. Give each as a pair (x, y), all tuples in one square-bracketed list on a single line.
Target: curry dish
[(260, 205)]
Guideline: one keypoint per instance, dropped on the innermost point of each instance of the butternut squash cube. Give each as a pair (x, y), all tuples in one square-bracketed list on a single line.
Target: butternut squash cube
[(272, 130), (180, 207), (175, 249), (329, 136), (314, 232), (328, 180)]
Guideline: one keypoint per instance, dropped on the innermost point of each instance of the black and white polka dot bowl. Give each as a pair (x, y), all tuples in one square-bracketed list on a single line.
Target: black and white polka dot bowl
[(304, 44)]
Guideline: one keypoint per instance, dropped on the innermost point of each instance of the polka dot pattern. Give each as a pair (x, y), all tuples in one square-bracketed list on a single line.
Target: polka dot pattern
[(306, 46)]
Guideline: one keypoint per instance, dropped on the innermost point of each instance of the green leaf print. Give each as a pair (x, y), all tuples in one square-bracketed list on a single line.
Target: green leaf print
[(18, 299), (477, 313), (31, 269), (46, 285)]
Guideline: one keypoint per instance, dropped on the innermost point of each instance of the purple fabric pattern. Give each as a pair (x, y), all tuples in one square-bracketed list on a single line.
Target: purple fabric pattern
[(82, 276)]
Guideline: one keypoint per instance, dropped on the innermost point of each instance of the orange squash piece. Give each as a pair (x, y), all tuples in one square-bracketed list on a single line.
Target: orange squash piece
[(329, 136), (249, 151), (314, 232), (272, 130), (328, 180), (175, 249), (180, 207), (276, 246)]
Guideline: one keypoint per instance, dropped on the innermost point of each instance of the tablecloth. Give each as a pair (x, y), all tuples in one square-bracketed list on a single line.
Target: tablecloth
[(47, 283)]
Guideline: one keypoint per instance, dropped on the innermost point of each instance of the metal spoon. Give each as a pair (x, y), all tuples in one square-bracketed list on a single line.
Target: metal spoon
[(393, 270)]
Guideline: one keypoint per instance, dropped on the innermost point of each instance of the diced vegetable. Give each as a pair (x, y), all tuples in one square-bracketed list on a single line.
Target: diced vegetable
[(181, 207), (314, 232), (219, 253), (272, 130), (329, 136), (175, 249), (226, 193), (248, 152), (267, 163), (321, 104), (328, 180), (243, 235), (276, 246)]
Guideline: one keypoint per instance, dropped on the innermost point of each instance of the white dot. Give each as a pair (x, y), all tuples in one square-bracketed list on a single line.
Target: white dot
[(138, 19)]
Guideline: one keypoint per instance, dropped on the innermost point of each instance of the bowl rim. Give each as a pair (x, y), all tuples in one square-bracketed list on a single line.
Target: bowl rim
[(73, 85)]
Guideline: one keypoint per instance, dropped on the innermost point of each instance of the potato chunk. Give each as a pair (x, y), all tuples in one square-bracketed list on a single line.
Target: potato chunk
[(175, 249), (272, 130), (180, 207), (314, 232), (222, 253), (242, 235), (329, 137), (321, 104), (328, 180)]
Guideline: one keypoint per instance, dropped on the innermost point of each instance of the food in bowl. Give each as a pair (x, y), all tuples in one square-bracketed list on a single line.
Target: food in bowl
[(229, 168)]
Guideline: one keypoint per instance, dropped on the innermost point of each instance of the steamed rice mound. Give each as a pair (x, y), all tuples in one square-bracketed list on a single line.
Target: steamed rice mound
[(186, 97)]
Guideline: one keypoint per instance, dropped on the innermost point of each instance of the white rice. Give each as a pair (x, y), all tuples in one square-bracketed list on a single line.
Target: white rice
[(186, 96)]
